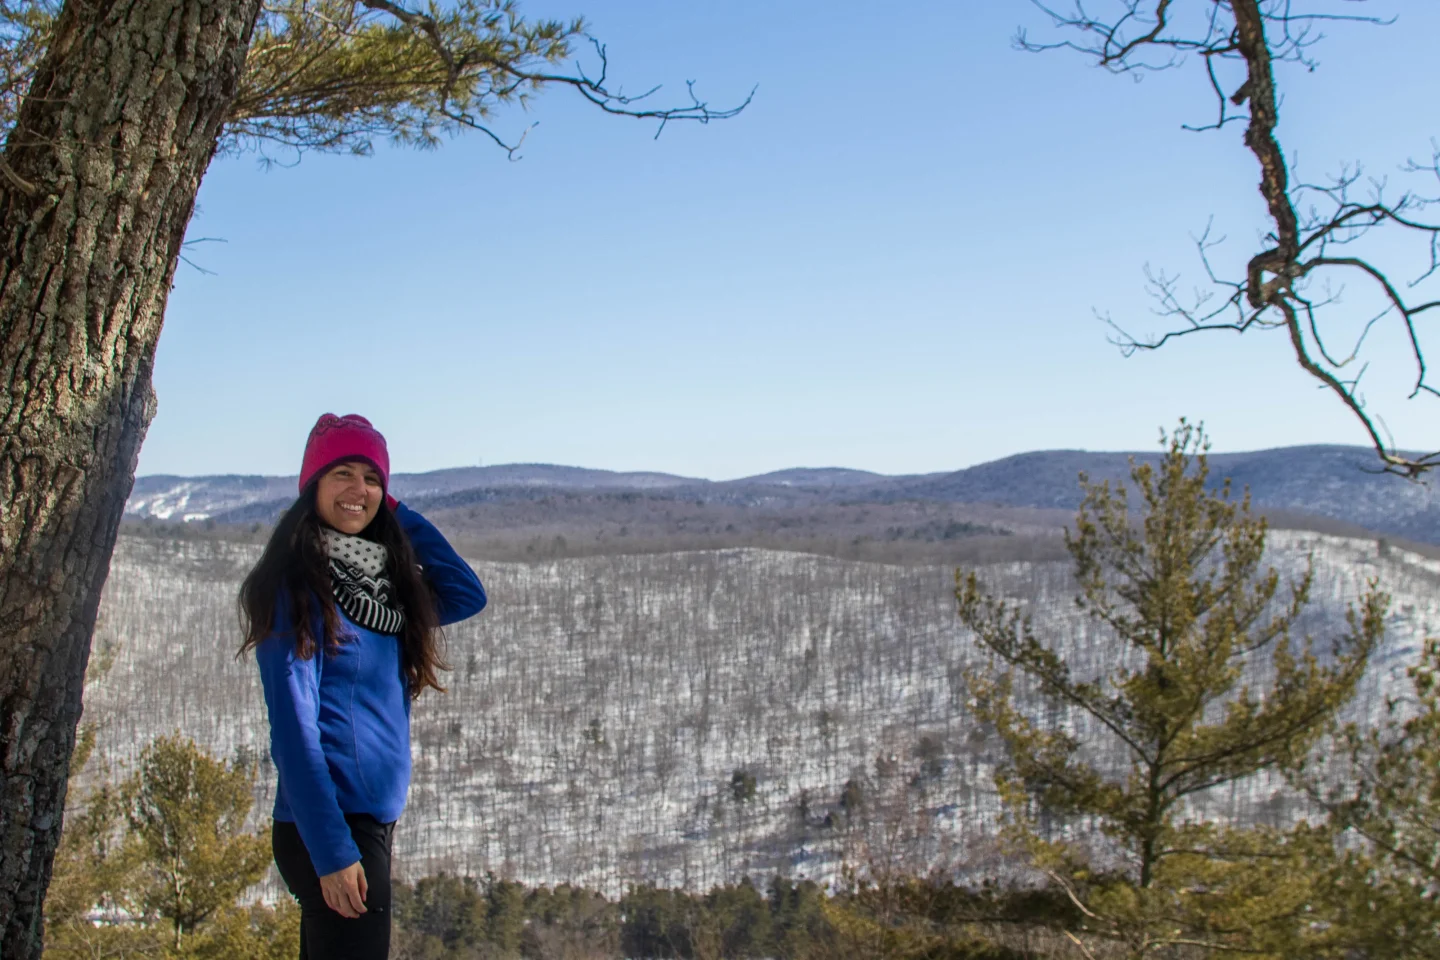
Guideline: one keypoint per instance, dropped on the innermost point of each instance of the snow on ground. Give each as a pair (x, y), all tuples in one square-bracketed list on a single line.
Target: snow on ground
[(600, 709)]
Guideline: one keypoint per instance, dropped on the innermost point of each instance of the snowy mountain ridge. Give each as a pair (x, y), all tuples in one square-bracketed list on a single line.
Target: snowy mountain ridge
[(1333, 482)]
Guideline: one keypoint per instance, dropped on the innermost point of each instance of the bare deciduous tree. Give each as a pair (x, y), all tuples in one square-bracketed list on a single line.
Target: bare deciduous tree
[(1321, 235)]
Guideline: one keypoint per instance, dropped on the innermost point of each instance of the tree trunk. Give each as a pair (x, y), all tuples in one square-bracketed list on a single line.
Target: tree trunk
[(96, 188)]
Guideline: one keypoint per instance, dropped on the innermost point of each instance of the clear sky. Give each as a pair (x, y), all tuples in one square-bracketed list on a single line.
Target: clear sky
[(890, 261)]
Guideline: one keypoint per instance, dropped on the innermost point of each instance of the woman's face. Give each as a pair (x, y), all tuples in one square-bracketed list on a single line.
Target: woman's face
[(348, 496)]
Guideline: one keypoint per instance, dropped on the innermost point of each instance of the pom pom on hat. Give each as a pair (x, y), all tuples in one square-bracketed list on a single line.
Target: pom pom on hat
[(336, 439)]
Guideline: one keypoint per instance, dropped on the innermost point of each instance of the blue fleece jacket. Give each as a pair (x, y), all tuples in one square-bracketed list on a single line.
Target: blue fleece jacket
[(340, 723)]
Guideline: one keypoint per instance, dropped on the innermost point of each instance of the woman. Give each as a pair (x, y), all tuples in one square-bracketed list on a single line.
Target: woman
[(343, 612)]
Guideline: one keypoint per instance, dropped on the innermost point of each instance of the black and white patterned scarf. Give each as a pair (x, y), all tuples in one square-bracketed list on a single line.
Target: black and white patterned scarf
[(358, 580)]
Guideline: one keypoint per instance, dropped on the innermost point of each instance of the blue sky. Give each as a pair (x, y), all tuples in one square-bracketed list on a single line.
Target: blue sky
[(889, 261)]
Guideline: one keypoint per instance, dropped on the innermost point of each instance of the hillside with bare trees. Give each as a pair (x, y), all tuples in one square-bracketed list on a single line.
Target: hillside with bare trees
[(686, 717)]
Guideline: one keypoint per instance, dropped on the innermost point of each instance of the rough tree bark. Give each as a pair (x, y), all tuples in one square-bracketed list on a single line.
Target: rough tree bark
[(97, 184)]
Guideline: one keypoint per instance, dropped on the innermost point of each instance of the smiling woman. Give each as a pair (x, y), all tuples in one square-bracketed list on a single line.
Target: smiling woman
[(343, 611)]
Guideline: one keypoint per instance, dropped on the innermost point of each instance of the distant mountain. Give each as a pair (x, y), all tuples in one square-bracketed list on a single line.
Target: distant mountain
[(815, 477), (201, 498), (1328, 481), (531, 475), (235, 499), (1338, 483)]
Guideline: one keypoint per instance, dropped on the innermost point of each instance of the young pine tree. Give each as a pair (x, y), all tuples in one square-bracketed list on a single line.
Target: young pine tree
[(186, 813), (1202, 685)]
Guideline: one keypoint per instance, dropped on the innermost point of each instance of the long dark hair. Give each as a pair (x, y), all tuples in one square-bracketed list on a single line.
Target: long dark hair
[(295, 564)]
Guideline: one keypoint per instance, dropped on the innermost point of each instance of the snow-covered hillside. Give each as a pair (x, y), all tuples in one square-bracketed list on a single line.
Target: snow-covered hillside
[(606, 715)]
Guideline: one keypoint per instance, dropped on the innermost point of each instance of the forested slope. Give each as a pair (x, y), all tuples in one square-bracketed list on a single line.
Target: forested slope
[(682, 718)]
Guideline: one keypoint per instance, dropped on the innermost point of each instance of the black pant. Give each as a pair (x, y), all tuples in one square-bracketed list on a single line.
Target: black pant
[(324, 934)]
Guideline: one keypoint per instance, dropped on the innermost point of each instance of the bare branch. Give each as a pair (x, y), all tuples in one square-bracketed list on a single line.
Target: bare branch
[(17, 181), (1070, 893), (1083, 949), (1311, 222)]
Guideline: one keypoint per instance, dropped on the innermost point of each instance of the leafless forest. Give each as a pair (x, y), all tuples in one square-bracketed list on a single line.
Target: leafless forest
[(682, 717)]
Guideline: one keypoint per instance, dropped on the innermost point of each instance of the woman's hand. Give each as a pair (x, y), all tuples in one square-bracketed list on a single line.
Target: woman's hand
[(345, 890)]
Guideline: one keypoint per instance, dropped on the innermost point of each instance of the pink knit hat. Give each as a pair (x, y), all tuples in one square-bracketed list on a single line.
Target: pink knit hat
[(334, 439)]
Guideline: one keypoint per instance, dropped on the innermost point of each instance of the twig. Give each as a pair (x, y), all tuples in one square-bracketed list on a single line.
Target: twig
[(17, 181), (1077, 941)]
